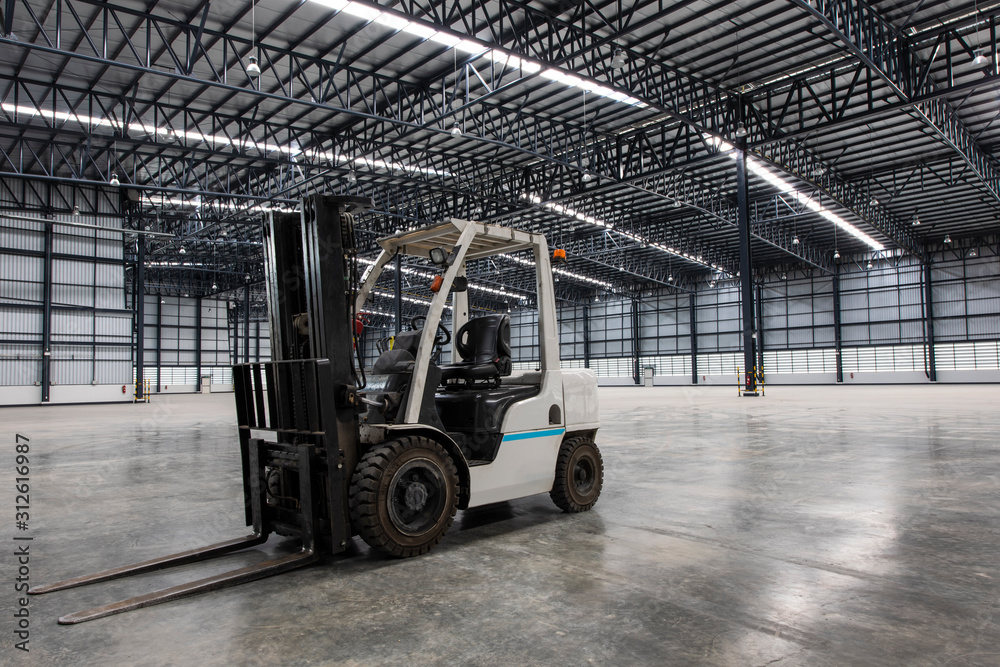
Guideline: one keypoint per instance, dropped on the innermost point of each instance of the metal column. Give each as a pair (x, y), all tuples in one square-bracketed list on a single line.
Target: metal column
[(929, 319), (235, 353), (159, 342), (399, 293), (197, 340), (836, 322), (47, 316), (636, 371), (586, 336), (139, 304), (760, 330), (746, 273), (246, 324), (693, 321)]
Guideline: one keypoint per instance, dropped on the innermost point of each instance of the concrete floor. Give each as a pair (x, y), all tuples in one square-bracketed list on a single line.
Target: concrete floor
[(815, 526)]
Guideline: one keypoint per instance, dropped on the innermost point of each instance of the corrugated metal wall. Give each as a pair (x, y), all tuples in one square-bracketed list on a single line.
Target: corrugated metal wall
[(90, 329), (172, 332), (882, 314)]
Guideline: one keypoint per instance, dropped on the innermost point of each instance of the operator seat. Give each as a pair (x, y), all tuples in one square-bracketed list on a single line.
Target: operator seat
[(484, 345), (400, 358)]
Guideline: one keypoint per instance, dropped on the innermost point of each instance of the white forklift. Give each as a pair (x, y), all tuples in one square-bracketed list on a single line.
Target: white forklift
[(329, 451), (470, 432)]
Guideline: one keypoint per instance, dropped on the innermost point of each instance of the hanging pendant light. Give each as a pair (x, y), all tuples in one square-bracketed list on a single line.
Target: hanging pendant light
[(253, 69), (114, 180), (618, 60)]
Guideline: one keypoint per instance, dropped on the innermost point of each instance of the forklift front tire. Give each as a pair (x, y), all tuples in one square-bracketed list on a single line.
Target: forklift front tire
[(404, 494), (579, 475)]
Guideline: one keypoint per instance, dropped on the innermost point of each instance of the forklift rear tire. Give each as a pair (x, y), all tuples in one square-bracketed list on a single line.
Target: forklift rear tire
[(404, 494), (579, 475)]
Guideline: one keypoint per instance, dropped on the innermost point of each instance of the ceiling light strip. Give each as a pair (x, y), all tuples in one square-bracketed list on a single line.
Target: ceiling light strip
[(581, 217), (760, 170), (217, 140), (427, 275), (476, 48)]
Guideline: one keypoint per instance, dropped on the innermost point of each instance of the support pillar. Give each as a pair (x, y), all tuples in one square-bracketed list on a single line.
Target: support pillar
[(159, 342), (693, 319), (235, 354), (256, 349), (399, 295), (139, 304), (837, 341), (197, 340), (929, 320), (47, 316), (246, 324), (760, 330), (636, 370), (746, 273), (586, 336)]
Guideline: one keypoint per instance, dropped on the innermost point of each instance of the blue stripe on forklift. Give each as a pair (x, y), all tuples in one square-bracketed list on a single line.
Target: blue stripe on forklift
[(533, 434)]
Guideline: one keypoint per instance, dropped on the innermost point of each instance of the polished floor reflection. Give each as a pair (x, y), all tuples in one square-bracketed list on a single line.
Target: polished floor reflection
[(813, 526)]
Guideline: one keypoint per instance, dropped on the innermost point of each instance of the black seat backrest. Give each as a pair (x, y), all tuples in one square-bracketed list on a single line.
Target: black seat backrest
[(407, 340), (485, 339)]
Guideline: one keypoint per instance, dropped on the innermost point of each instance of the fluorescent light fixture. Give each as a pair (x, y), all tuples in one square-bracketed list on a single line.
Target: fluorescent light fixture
[(420, 30), (561, 272), (470, 47), (758, 168), (445, 39), (403, 297), (313, 154), (361, 11), (393, 21), (582, 217), (332, 4), (430, 276)]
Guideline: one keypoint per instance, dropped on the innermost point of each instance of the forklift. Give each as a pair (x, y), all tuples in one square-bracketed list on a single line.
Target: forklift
[(330, 451)]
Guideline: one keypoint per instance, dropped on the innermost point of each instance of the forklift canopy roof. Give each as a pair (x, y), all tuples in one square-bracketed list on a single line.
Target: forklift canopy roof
[(489, 239)]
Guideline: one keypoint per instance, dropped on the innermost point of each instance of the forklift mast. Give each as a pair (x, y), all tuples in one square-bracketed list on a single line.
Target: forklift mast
[(312, 277), (294, 484)]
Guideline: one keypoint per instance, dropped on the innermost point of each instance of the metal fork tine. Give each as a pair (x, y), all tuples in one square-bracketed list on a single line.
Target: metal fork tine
[(231, 578), (182, 558)]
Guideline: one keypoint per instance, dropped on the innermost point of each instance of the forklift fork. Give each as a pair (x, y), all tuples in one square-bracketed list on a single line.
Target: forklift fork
[(304, 396), (302, 522)]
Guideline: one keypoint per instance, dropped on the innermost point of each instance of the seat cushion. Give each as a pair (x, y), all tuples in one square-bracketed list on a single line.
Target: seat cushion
[(469, 371)]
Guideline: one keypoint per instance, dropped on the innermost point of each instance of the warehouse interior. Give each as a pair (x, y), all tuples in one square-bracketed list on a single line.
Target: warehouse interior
[(759, 201)]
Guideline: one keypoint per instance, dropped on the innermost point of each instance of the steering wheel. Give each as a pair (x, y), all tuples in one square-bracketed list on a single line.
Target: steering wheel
[(441, 337)]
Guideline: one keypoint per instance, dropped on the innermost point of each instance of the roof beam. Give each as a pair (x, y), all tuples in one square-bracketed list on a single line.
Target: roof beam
[(873, 40)]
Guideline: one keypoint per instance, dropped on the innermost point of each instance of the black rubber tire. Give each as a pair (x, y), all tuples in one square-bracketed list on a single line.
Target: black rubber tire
[(381, 504), (579, 475)]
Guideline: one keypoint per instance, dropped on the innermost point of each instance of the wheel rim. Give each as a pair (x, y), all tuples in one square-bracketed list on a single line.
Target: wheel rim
[(584, 474), (417, 496)]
